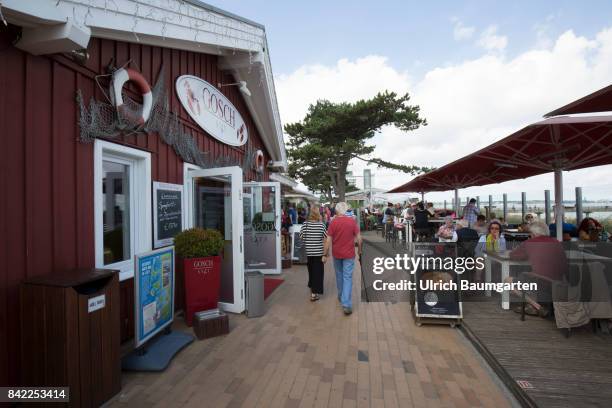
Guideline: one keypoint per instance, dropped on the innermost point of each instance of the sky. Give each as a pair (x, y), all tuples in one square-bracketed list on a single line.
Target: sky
[(479, 70)]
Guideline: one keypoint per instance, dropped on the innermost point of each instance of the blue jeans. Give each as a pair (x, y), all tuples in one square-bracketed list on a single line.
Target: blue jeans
[(344, 280)]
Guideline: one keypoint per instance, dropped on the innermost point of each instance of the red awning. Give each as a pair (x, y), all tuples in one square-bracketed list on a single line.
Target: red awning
[(598, 101), (564, 142)]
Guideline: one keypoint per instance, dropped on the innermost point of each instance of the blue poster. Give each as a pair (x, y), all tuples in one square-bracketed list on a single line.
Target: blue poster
[(154, 292)]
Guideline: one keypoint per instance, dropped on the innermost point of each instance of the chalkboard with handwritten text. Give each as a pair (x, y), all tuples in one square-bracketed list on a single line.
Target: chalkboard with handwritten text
[(167, 213)]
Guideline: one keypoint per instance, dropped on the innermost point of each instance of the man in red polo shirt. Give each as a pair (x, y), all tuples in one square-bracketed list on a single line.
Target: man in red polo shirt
[(341, 235)]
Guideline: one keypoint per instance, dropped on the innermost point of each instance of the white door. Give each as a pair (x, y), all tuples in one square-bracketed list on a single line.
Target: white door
[(262, 225), (214, 200)]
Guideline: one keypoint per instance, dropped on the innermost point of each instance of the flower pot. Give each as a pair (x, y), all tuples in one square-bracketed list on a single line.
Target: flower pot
[(202, 285)]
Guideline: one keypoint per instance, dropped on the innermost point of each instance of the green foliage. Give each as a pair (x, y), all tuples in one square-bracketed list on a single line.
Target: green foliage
[(332, 134), (198, 243)]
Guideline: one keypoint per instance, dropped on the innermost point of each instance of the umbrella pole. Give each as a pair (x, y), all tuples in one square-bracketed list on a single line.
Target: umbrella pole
[(457, 203), (559, 203), (505, 207)]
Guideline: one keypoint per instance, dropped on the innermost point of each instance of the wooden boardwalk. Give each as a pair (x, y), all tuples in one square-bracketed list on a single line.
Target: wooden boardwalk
[(564, 372), (305, 354)]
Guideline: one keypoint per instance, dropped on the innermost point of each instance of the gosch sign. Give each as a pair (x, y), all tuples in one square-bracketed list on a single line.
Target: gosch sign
[(211, 110)]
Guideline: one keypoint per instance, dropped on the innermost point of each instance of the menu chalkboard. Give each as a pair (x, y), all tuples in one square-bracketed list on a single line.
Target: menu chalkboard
[(434, 297), (167, 213)]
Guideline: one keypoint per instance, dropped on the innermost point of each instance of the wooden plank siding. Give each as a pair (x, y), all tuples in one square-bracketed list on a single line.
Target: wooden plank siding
[(46, 174)]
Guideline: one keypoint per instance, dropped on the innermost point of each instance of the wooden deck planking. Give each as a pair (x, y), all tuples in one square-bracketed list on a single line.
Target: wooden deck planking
[(565, 372)]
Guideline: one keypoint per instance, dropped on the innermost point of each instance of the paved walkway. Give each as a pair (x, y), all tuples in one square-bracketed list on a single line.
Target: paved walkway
[(304, 354)]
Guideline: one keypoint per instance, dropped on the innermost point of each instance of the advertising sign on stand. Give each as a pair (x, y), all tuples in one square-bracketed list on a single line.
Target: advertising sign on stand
[(298, 249), (153, 292), (431, 301)]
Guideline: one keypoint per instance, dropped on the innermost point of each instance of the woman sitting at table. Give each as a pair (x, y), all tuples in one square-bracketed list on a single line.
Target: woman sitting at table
[(493, 241), (591, 230), (527, 221), (446, 232)]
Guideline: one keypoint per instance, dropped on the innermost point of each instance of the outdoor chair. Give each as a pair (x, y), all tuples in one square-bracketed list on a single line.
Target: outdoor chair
[(545, 286), (390, 233), (379, 227)]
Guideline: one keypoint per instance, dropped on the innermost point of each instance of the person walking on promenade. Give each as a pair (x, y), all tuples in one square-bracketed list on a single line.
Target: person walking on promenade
[(341, 236), (313, 234), (470, 212)]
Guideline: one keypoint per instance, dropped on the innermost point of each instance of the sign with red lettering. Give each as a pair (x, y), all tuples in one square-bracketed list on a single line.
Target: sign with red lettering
[(211, 110)]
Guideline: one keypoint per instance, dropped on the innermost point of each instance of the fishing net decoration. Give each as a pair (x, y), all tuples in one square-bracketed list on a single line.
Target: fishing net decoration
[(104, 120)]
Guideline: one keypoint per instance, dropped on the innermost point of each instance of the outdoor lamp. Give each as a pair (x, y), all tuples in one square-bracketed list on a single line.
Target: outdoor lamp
[(242, 86)]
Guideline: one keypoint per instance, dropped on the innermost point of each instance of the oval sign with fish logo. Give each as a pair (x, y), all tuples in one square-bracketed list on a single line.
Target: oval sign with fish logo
[(211, 110)]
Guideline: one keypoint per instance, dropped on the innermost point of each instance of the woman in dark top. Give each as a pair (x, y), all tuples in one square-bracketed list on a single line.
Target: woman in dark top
[(313, 234)]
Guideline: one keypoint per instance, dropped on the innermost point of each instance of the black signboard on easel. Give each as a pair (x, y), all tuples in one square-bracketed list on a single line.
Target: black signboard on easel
[(432, 301), (167, 213)]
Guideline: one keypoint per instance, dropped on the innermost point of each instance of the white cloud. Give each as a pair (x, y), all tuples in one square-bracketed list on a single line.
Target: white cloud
[(468, 105), (462, 32), (490, 41), (346, 81)]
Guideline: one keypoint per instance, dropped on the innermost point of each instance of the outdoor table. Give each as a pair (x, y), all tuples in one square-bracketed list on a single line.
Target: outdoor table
[(515, 234), (503, 258)]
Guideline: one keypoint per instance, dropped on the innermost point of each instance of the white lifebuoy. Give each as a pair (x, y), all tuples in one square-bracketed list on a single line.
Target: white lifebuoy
[(120, 77), (259, 161)]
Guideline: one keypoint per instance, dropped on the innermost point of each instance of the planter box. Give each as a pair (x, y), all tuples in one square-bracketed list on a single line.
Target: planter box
[(202, 285), (210, 325)]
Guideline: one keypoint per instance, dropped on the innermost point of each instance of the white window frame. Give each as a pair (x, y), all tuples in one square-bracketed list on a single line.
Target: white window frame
[(141, 236), (188, 195)]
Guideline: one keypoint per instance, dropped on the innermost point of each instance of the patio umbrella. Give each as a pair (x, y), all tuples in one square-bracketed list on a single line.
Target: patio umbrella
[(551, 145), (598, 101)]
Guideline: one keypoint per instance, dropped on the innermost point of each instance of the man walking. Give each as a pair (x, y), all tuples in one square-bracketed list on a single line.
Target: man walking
[(341, 235), (471, 212)]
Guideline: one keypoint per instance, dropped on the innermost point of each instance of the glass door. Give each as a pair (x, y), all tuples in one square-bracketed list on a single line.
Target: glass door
[(262, 225), (214, 201)]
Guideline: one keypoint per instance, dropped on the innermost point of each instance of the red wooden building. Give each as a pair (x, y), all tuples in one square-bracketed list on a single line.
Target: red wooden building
[(48, 173)]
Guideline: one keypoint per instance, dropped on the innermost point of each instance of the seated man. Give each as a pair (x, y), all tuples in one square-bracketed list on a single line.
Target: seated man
[(467, 238), (481, 225), (547, 259)]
